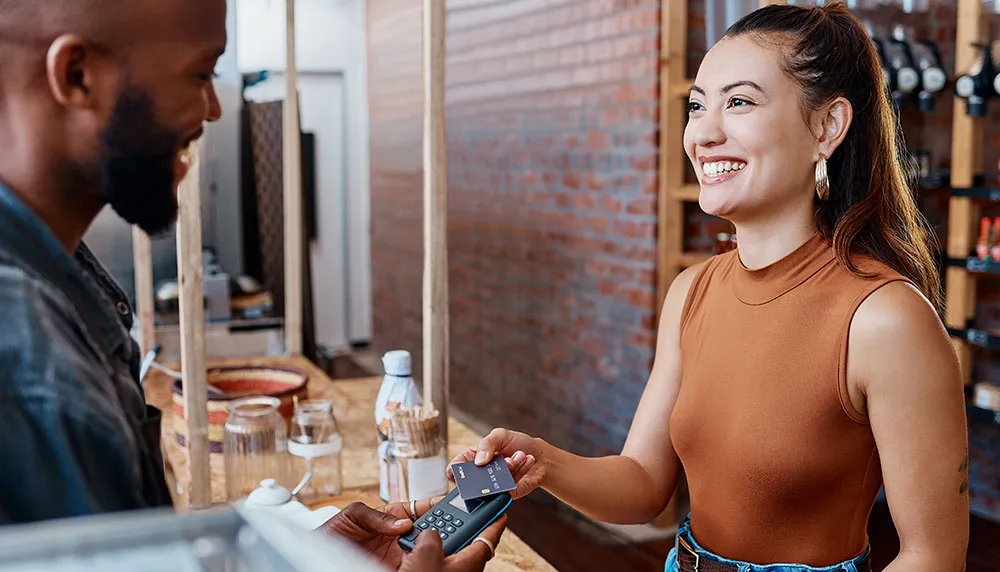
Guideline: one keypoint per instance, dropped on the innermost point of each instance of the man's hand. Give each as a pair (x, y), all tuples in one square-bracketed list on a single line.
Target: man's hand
[(377, 531), (428, 555)]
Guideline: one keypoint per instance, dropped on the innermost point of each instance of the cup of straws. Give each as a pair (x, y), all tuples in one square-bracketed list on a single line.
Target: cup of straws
[(417, 455)]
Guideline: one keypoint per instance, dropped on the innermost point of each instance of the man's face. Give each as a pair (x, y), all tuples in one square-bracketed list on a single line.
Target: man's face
[(164, 97)]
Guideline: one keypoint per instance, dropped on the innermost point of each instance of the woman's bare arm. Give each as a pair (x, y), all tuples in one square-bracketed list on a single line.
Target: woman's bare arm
[(901, 358)]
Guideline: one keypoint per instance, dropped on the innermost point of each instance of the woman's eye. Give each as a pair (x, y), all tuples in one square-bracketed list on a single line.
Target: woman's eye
[(739, 102), (693, 106)]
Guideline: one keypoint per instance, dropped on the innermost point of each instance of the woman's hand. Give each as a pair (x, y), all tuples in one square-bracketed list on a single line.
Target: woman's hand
[(525, 455)]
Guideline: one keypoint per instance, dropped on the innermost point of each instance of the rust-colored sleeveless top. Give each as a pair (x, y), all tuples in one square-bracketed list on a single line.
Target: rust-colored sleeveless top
[(780, 466)]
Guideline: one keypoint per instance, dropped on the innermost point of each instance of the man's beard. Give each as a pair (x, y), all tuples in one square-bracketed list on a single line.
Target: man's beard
[(137, 164)]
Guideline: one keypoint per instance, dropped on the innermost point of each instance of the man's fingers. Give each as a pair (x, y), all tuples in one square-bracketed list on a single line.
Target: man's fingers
[(427, 555), (424, 505), (387, 522)]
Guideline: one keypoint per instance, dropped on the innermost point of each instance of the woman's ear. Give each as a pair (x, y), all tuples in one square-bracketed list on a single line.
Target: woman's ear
[(835, 120)]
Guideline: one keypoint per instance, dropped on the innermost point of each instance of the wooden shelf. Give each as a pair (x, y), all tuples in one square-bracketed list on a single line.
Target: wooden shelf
[(688, 259), (686, 193), (967, 136), (682, 89), (976, 337), (980, 193), (973, 264)]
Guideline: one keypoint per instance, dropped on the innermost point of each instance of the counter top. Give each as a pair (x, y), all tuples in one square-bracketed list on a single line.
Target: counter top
[(354, 406)]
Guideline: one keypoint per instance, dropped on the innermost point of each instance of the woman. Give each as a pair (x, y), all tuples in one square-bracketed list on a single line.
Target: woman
[(796, 375)]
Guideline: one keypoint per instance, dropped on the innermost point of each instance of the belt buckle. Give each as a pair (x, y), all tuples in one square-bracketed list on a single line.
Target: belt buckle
[(681, 543)]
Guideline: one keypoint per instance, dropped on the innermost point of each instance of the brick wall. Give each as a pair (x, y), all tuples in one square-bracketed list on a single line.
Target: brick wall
[(552, 123)]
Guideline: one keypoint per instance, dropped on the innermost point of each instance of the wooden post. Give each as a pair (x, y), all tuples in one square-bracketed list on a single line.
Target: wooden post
[(966, 155), (672, 160), (292, 168), (435, 291), (192, 328), (142, 264)]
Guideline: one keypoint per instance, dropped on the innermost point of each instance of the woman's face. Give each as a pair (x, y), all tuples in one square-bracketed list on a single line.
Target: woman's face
[(746, 137)]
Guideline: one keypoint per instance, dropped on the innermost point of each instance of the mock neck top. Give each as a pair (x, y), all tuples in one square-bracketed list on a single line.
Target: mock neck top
[(780, 465), (762, 285)]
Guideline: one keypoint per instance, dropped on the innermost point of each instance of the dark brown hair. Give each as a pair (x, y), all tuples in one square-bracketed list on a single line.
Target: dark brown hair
[(871, 209)]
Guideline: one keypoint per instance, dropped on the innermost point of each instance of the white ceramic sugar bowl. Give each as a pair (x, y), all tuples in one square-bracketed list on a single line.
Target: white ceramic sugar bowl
[(273, 498)]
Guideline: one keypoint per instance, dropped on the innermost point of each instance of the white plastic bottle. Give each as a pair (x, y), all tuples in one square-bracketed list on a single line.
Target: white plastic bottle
[(398, 390)]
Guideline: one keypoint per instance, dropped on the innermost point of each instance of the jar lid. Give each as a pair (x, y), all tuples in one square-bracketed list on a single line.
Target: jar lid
[(269, 494), (397, 363)]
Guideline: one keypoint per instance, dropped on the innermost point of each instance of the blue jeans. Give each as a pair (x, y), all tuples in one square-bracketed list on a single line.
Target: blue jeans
[(685, 532)]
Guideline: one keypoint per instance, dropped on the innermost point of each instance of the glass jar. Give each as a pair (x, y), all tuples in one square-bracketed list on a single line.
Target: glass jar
[(254, 442), (417, 457), (314, 446)]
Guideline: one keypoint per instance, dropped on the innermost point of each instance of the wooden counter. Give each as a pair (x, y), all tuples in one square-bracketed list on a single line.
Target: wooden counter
[(354, 407)]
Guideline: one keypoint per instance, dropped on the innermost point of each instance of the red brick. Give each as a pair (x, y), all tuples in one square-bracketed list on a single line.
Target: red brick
[(597, 224), (644, 205), (643, 162), (647, 277), (644, 339), (595, 181), (611, 205), (572, 180), (584, 202), (597, 140)]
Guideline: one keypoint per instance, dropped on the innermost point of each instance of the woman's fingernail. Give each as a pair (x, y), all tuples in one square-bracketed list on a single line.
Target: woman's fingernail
[(481, 457)]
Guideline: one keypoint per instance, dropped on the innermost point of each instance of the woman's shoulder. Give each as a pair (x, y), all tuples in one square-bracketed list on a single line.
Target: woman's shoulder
[(868, 269)]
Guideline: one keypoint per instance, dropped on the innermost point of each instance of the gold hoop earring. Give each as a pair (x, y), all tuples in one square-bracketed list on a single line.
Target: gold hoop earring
[(822, 179)]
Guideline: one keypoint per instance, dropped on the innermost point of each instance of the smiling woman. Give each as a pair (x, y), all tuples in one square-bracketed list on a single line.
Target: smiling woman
[(796, 375)]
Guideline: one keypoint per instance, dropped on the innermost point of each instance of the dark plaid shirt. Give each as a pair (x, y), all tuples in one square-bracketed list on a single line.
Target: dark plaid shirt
[(76, 436)]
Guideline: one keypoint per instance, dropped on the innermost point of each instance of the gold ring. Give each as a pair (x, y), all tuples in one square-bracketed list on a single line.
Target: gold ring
[(413, 510), (486, 541)]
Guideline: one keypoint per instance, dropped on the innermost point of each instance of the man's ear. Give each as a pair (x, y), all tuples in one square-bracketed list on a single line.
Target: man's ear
[(834, 122), (75, 72)]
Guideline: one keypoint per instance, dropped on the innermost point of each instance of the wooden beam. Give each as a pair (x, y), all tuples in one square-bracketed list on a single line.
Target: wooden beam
[(435, 292), (142, 265), (673, 79), (292, 169), (192, 329), (682, 89), (688, 259), (687, 192), (966, 156)]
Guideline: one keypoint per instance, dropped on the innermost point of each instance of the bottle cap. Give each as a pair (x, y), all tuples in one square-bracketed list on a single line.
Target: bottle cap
[(397, 363)]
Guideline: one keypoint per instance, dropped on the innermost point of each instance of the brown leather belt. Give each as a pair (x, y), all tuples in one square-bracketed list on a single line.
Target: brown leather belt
[(689, 561)]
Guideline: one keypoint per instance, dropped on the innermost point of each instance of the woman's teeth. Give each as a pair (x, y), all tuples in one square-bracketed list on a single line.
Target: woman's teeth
[(721, 167)]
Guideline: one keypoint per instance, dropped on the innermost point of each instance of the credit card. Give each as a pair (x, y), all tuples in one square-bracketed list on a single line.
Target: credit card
[(475, 482)]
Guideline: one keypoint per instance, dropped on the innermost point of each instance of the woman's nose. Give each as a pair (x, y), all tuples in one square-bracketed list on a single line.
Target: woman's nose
[(708, 130)]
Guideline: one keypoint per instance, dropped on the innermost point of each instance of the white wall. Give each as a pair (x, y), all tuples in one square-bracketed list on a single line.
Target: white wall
[(222, 218), (330, 41)]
